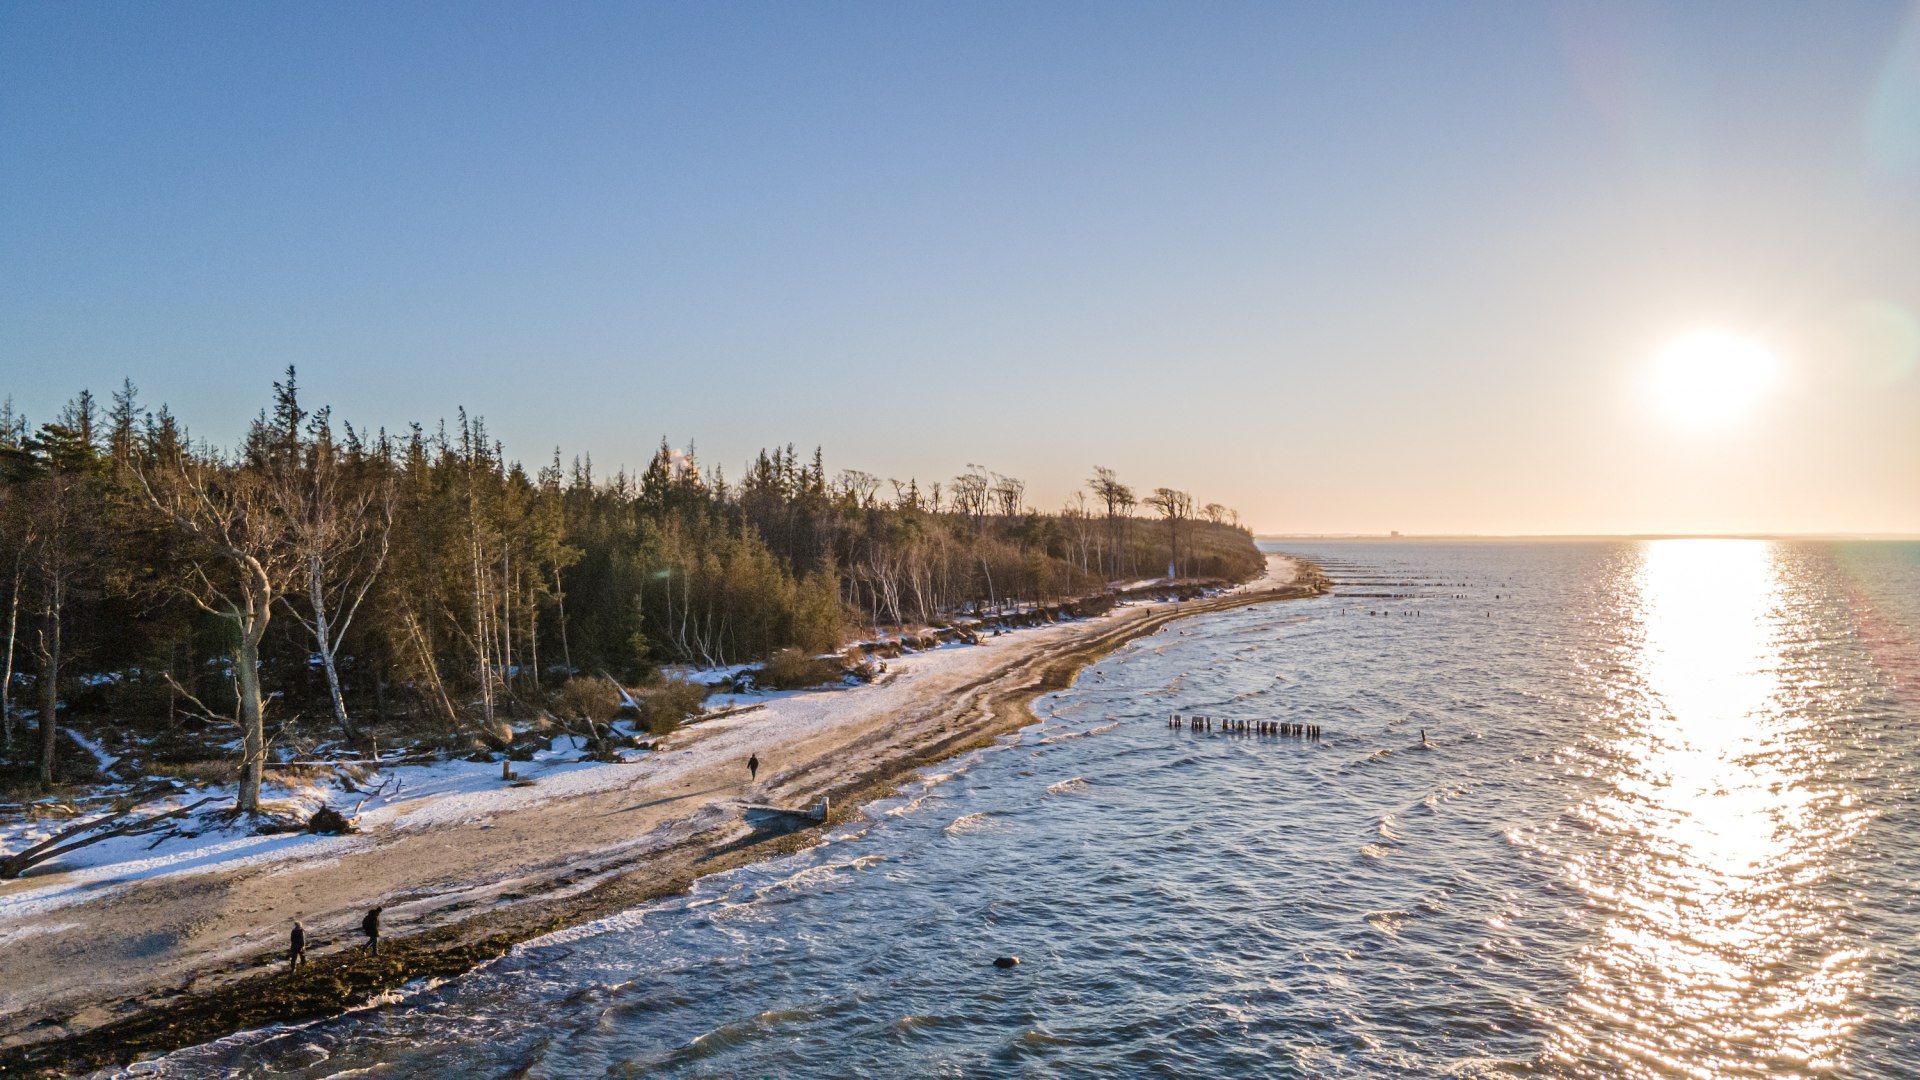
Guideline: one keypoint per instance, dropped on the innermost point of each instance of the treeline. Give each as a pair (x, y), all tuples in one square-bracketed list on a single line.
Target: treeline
[(365, 575)]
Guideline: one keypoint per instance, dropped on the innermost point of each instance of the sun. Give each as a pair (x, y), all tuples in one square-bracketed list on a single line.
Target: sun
[(1708, 378)]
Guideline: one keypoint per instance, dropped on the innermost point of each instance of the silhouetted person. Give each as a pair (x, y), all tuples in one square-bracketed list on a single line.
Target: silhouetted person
[(753, 767), (370, 926), (297, 945)]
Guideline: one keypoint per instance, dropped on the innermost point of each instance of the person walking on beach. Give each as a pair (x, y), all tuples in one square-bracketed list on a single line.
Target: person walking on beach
[(297, 946), (753, 767), (370, 926)]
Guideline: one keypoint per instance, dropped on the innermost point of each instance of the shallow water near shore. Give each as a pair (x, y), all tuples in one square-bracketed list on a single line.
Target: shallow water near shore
[(1664, 820)]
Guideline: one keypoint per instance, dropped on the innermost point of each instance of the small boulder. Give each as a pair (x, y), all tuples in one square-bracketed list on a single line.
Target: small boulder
[(1007, 962)]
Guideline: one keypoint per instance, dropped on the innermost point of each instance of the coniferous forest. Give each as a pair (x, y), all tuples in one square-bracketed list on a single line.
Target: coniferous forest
[(321, 581)]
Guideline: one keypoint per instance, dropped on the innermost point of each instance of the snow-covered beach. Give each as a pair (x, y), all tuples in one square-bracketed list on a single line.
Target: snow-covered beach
[(465, 863)]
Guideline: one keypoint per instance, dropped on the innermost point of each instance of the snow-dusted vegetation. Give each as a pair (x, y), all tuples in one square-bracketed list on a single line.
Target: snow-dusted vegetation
[(297, 624)]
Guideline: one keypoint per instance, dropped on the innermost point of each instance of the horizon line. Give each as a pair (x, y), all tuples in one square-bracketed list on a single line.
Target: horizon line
[(1877, 536)]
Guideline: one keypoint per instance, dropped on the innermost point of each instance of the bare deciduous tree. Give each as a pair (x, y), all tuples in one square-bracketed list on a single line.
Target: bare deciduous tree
[(1119, 501), (972, 495), (1079, 519), (1009, 495), (339, 512), (1174, 507), (239, 561), (857, 488)]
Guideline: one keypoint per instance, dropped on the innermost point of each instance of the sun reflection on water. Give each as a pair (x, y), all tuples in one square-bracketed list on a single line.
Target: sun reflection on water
[(1716, 956)]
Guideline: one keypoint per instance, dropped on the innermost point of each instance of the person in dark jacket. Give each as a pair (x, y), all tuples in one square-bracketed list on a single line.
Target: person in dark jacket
[(370, 926), (297, 945), (753, 767)]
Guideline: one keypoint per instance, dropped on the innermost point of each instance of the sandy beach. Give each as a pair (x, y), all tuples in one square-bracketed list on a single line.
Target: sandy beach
[(107, 963)]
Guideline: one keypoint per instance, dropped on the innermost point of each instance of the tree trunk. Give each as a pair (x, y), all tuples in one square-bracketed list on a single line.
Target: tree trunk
[(533, 637), (481, 631), (560, 600), (50, 682), (323, 634), (13, 628), (253, 733), (506, 616), (430, 667)]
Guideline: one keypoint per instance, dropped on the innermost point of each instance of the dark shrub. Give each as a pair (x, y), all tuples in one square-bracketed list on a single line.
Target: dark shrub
[(587, 699), (791, 669), (669, 703)]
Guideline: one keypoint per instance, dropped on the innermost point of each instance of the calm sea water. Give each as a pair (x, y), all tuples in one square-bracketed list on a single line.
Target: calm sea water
[(1664, 821)]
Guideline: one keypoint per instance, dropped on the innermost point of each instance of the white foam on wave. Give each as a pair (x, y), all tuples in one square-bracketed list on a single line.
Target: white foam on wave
[(817, 875), (905, 808), (970, 823), (1387, 922), (1066, 735), (1074, 784)]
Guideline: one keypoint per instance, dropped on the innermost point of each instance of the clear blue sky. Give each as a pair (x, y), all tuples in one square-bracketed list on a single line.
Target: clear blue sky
[(1343, 266)]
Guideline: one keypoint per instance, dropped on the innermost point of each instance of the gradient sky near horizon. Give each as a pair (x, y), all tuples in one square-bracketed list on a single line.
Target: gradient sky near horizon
[(1345, 267)]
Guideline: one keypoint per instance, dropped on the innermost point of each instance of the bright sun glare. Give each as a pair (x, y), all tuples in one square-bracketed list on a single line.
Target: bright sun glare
[(1708, 378)]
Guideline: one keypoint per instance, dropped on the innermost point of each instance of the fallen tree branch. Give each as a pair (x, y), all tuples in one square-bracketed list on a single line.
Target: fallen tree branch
[(53, 846)]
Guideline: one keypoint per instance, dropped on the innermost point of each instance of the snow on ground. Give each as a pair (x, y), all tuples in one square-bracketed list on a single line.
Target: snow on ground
[(106, 760), (395, 797), (454, 792), (709, 676)]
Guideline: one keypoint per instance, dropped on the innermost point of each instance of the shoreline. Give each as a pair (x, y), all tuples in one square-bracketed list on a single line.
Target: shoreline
[(858, 749)]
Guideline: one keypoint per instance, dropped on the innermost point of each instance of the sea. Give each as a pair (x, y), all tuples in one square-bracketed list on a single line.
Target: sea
[(1583, 809)]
